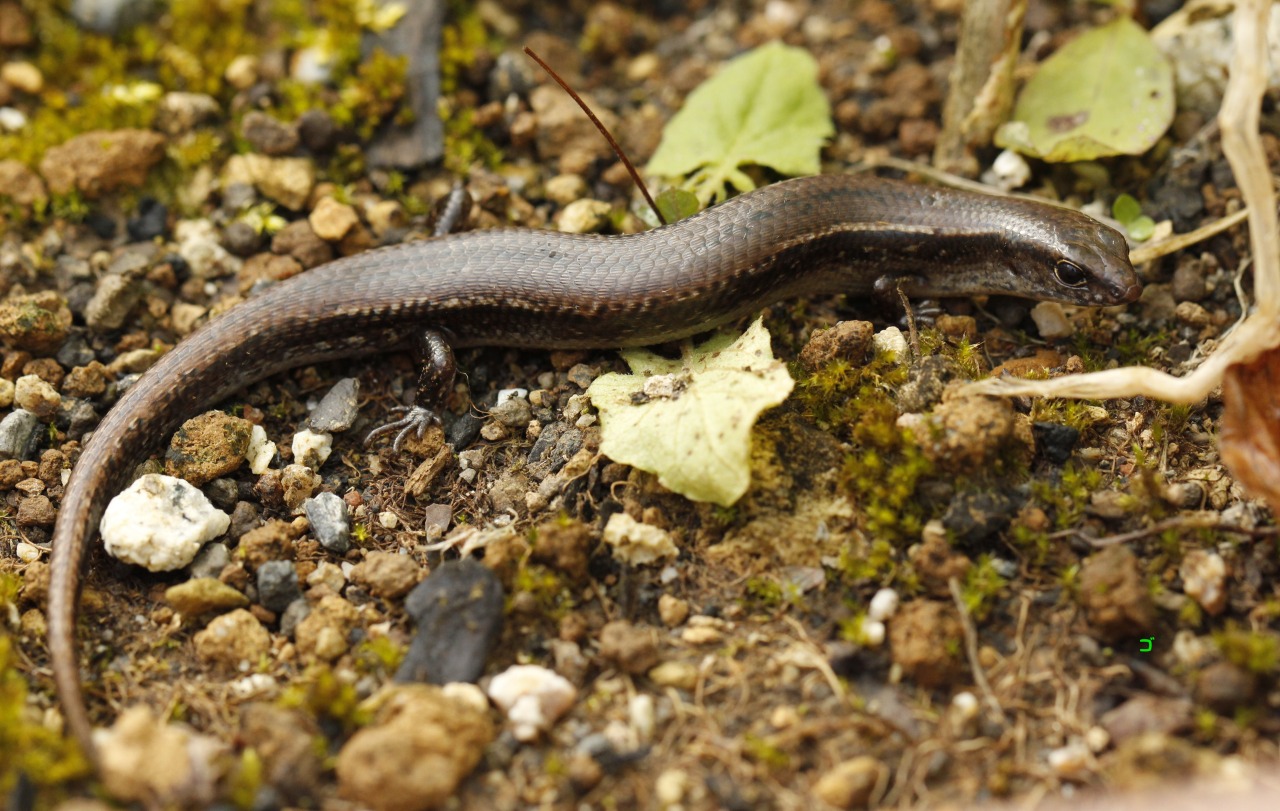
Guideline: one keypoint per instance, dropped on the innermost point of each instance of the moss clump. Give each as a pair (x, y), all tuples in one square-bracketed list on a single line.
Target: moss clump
[(765, 752), (28, 747), (982, 585), (461, 42), (886, 465), (767, 594), (1255, 651), (1066, 498), (327, 698), (379, 655), (246, 779), (554, 599), (876, 564)]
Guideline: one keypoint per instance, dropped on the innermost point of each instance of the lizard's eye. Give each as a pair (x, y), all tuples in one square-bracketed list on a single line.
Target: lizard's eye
[(1069, 273)]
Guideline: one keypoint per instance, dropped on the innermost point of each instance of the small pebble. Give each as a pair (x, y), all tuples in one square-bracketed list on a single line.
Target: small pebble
[(1008, 171), (1204, 576), (883, 605), (638, 544), (311, 448), (330, 521), (533, 698), (159, 523), (337, 410), (278, 585), (584, 217)]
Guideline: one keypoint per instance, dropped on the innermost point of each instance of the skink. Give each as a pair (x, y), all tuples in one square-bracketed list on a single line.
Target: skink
[(829, 234)]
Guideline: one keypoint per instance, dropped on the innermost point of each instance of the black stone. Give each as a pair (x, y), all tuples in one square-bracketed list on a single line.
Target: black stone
[(101, 225), (975, 516), (1055, 442), (458, 609), (150, 221)]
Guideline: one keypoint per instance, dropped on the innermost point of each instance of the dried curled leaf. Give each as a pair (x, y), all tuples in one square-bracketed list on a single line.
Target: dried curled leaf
[(1250, 438)]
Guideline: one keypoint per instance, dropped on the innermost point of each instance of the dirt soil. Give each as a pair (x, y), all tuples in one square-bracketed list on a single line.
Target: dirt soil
[(1085, 599)]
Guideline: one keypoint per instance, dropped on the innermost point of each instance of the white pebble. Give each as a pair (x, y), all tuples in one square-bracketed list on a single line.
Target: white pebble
[(160, 523), (873, 633), (965, 706), (883, 605), (533, 698), (1009, 171), (261, 451), (1071, 762), (890, 340), (1051, 320), (12, 119), (311, 448), (637, 544), (643, 716), (256, 685), (1204, 578), (1097, 739), (28, 553)]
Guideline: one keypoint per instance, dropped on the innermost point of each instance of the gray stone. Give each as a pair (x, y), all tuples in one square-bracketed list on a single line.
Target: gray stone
[(330, 522), (278, 585), (210, 560), (19, 434), (458, 609), (337, 409)]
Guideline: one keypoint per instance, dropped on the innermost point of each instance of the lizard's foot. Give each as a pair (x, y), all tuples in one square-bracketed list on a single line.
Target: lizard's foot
[(415, 420)]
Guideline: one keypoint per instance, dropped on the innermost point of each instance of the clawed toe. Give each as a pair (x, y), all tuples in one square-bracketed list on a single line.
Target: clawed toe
[(415, 420)]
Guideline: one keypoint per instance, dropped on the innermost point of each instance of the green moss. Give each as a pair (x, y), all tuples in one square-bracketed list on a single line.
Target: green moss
[(1069, 580), (854, 629), (346, 165), (968, 357), (1169, 420), (764, 592), (465, 145), (553, 597), (322, 694), (379, 654), (1190, 615), (765, 752), (196, 149), (27, 746), (1206, 723), (1256, 651), (1035, 545), (885, 465), (1066, 498), (461, 42), (246, 779), (199, 41), (767, 594), (1077, 414), (982, 585)]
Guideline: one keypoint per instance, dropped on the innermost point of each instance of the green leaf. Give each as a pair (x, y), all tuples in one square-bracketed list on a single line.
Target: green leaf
[(688, 421), (1141, 228), (676, 204), (764, 108), (1108, 92), (1126, 209), (1128, 212)]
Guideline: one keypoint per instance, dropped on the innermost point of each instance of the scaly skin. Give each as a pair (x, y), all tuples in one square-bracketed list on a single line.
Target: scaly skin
[(831, 234)]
